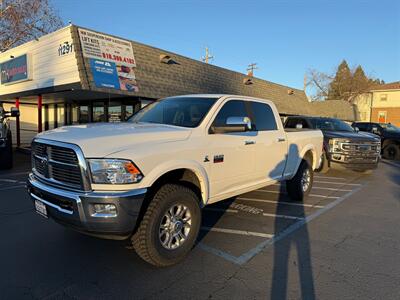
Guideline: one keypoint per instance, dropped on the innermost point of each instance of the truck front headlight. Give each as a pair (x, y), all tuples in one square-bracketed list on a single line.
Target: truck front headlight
[(334, 145), (114, 171)]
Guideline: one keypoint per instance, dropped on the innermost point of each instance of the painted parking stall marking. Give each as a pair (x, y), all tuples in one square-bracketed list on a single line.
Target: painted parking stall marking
[(256, 215)]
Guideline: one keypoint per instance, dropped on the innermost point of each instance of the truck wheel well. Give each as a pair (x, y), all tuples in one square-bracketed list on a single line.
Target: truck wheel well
[(309, 157), (390, 142), (183, 177)]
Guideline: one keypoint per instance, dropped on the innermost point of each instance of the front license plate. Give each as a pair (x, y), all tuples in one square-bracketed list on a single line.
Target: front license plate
[(41, 208)]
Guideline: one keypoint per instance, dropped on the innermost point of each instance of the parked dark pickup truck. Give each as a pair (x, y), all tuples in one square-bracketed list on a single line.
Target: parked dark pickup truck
[(389, 134), (5, 137), (343, 145)]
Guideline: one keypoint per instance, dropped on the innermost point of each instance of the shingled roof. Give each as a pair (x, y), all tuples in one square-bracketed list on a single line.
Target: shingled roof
[(333, 108), (388, 86)]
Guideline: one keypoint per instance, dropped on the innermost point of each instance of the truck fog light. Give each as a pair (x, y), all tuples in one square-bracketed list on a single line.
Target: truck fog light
[(337, 157), (104, 210)]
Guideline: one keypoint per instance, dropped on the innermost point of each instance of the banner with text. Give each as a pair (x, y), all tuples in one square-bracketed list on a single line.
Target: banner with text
[(107, 48)]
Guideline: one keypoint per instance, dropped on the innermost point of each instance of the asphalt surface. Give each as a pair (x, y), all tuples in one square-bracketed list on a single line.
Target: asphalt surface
[(342, 242)]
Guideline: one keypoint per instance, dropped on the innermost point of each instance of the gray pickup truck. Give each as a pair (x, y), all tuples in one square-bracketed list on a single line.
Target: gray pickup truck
[(6, 160)]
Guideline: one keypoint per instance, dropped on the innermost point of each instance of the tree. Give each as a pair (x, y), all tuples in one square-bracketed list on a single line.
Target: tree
[(345, 84), (25, 20), (341, 85)]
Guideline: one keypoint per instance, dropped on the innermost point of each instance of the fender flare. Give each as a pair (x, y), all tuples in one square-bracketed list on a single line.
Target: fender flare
[(192, 166)]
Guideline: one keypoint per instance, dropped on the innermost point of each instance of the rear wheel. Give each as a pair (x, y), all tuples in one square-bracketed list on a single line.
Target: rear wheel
[(391, 151), (6, 154), (169, 227), (300, 185)]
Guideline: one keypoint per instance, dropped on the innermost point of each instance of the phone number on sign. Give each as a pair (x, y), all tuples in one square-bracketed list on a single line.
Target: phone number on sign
[(118, 58)]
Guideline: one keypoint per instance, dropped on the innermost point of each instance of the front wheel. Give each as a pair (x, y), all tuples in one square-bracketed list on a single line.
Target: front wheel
[(391, 152), (300, 185), (169, 227)]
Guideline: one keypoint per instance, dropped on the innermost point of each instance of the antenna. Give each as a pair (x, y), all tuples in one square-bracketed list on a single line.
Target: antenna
[(207, 57), (251, 68)]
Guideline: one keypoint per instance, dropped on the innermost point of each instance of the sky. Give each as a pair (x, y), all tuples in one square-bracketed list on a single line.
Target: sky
[(285, 38)]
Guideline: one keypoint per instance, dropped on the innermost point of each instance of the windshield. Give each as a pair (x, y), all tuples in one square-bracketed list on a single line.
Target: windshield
[(331, 125), (179, 111), (390, 127)]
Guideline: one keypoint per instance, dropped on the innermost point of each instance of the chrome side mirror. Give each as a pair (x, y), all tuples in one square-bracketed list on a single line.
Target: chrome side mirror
[(356, 129), (239, 121), (233, 124), (299, 126)]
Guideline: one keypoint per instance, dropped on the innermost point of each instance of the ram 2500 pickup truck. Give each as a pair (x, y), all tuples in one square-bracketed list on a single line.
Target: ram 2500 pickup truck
[(147, 179)]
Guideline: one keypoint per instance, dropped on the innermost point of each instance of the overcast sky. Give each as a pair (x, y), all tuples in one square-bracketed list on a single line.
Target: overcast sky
[(285, 38)]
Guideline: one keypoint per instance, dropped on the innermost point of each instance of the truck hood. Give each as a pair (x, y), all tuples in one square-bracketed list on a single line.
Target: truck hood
[(103, 139), (359, 137)]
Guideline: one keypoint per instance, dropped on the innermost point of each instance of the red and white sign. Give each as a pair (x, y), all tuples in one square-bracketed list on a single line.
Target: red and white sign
[(105, 47)]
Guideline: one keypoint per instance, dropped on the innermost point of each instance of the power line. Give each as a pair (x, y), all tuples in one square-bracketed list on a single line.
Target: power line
[(251, 68)]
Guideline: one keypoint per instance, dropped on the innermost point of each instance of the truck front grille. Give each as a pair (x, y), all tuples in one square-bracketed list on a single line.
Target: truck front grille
[(57, 165), (361, 147)]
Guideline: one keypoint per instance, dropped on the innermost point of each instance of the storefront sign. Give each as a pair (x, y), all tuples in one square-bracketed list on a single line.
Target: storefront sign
[(15, 70), (102, 47), (104, 74)]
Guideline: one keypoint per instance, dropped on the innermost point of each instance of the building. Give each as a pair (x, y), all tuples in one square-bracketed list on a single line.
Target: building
[(76, 76), (381, 104)]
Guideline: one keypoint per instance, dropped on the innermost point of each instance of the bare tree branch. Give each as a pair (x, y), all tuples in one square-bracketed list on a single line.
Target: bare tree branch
[(24, 20)]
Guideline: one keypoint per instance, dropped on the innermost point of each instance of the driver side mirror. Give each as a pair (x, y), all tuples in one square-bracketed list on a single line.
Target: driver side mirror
[(356, 129), (375, 130), (14, 112), (233, 124)]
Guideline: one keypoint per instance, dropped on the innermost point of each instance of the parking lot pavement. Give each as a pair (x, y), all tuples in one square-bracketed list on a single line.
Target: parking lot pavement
[(342, 242)]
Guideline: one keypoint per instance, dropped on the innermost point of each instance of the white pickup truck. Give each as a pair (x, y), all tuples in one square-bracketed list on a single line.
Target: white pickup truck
[(147, 179)]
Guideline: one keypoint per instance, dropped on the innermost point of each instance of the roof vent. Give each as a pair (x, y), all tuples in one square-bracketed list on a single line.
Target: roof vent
[(290, 92), (247, 81), (166, 59)]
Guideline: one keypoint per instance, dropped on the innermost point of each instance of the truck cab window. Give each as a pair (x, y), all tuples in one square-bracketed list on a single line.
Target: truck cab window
[(233, 108), (264, 117)]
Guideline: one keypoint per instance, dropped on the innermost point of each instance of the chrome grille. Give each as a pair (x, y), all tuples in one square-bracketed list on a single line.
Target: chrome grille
[(57, 164), (361, 147)]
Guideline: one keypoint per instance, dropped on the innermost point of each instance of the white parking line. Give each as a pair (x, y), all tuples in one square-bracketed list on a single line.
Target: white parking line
[(245, 257), (282, 216), (310, 195), (341, 183), (280, 202), (330, 189), (8, 180), (328, 177), (221, 210), (241, 232), (12, 187)]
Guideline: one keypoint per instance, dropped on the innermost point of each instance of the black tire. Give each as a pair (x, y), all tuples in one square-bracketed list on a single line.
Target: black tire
[(147, 242), (324, 167), (295, 187), (6, 154), (391, 152)]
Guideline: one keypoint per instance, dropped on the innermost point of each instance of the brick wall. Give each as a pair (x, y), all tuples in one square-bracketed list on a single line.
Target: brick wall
[(392, 115)]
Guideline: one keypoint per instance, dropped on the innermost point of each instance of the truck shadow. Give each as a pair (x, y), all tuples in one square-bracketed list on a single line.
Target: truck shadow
[(284, 241)]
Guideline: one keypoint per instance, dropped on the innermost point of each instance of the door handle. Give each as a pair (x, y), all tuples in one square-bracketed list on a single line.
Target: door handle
[(249, 142), (280, 140)]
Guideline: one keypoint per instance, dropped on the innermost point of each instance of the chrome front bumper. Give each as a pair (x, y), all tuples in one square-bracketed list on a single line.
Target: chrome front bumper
[(75, 209)]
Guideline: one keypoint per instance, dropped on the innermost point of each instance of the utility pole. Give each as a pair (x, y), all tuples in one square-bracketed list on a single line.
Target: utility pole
[(251, 68), (207, 57)]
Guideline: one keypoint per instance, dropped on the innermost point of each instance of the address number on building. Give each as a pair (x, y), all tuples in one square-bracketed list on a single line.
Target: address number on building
[(65, 48)]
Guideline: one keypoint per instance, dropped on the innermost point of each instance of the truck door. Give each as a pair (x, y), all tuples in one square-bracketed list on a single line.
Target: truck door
[(231, 155), (271, 147)]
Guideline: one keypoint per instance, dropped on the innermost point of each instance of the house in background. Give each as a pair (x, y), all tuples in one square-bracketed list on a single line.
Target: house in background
[(381, 104)]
